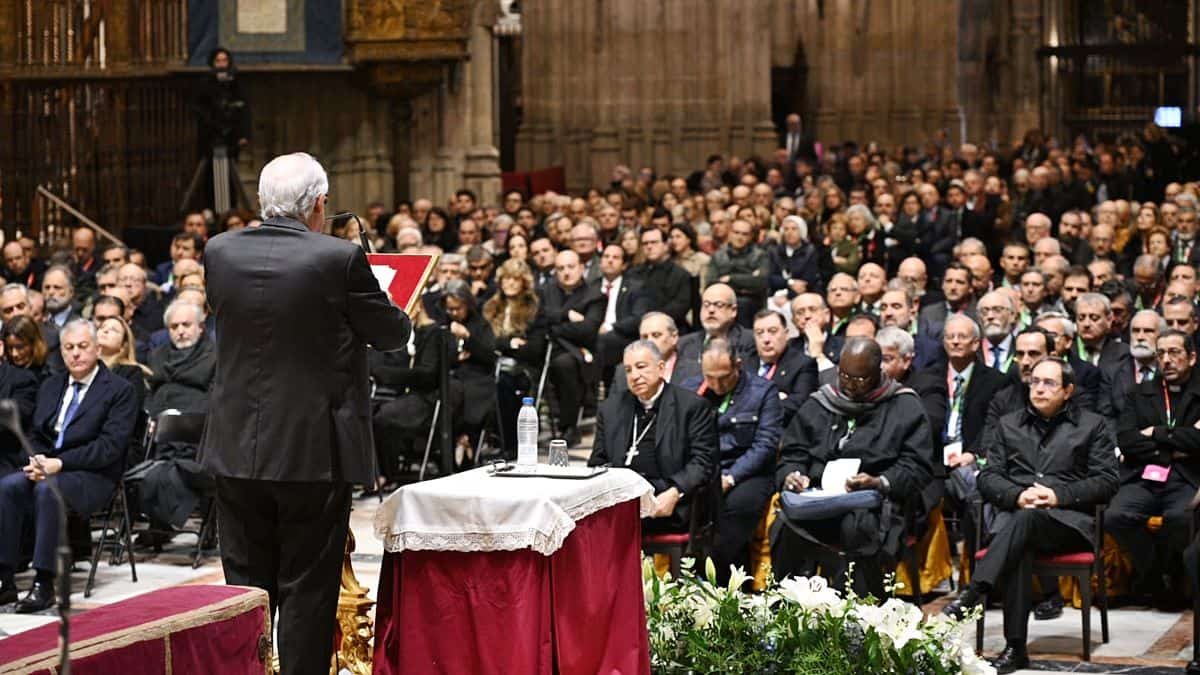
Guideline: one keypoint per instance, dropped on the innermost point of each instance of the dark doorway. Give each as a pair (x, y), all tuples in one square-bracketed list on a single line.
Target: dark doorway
[(787, 91)]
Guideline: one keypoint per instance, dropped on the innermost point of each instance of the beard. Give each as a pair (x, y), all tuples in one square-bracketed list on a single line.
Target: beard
[(1141, 351), (995, 332), (55, 305)]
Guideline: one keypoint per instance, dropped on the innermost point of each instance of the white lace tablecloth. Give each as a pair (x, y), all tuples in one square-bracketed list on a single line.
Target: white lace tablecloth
[(472, 511)]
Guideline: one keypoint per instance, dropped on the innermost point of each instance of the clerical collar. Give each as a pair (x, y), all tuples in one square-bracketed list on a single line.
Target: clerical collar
[(649, 404)]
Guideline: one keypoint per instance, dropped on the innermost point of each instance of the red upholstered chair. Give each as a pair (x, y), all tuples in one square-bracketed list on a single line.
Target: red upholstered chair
[(698, 541), (1082, 566)]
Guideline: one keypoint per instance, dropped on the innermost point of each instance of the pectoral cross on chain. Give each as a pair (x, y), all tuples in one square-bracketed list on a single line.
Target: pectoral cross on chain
[(633, 452)]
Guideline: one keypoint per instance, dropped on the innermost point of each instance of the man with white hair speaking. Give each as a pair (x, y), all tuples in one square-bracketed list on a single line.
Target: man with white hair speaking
[(289, 423)]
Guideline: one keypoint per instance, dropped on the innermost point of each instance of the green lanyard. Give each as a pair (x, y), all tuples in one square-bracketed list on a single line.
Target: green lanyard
[(850, 424), (1083, 352), (725, 403)]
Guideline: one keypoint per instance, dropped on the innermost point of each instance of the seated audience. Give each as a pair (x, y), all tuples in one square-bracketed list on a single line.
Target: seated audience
[(25, 348), (793, 372), (406, 387), (519, 325), (473, 365), (625, 303), (863, 416), (1044, 500), (718, 318), (749, 423), (574, 312), (662, 431), (81, 428)]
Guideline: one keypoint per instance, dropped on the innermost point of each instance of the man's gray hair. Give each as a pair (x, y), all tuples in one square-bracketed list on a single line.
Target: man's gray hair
[(895, 337), (290, 185), (65, 271), (959, 316), (186, 304), (454, 259), (16, 287), (644, 344), (1067, 324), (1161, 323), (1094, 299), (75, 324), (671, 327)]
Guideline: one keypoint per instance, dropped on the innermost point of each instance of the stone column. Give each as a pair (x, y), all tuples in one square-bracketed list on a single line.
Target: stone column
[(481, 164)]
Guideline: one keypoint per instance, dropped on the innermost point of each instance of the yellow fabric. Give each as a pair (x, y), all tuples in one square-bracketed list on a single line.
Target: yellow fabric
[(1118, 570), (933, 556), (760, 546), (662, 564)]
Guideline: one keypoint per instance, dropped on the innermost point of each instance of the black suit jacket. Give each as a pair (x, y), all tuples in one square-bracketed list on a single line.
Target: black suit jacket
[(669, 287), (99, 433), (984, 385), (295, 311), (932, 318), (1177, 447), (795, 376), (21, 386), (691, 347), (685, 437), (632, 303), (573, 336)]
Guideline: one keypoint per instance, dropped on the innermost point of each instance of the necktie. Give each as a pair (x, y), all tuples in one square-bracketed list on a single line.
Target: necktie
[(762, 369), (997, 353), (72, 406), (958, 400), (607, 288)]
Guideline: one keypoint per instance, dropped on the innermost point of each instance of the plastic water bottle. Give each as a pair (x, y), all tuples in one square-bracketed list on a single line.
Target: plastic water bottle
[(527, 433)]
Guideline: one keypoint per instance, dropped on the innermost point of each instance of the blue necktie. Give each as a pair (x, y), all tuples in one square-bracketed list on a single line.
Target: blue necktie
[(72, 406), (996, 354)]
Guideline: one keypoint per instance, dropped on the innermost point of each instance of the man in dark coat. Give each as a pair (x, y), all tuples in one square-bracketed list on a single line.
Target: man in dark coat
[(1159, 436), (1093, 319), (865, 417), (662, 431), (1048, 467), (745, 267), (749, 423), (574, 312), (669, 286), (959, 297), (793, 372), (289, 431), (718, 318), (20, 385), (81, 429), (624, 305), (181, 375)]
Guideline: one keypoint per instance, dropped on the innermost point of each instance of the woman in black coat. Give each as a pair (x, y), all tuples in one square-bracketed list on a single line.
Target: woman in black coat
[(794, 260), (473, 361), (405, 392), (519, 324)]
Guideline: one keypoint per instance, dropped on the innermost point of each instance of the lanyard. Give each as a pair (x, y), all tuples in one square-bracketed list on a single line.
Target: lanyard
[(1167, 405), (1083, 352), (725, 403), (959, 394), (987, 354)]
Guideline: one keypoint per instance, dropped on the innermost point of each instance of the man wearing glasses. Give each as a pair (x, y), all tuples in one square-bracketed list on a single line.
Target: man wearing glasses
[(1159, 436), (718, 318), (1048, 467), (865, 416)]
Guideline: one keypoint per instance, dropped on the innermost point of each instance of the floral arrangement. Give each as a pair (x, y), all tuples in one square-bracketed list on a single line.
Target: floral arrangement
[(797, 625)]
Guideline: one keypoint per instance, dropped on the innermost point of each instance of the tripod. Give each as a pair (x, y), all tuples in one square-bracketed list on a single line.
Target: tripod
[(224, 174)]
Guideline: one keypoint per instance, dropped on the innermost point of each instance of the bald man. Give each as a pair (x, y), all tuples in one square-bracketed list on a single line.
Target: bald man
[(867, 416), (719, 319), (574, 311)]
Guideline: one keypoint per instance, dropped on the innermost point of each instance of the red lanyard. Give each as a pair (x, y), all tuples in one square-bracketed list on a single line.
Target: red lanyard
[(1167, 405)]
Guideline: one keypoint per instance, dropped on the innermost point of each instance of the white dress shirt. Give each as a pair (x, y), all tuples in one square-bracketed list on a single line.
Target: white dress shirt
[(66, 399), (614, 291)]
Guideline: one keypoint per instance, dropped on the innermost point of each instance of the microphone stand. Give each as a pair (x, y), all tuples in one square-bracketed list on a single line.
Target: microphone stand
[(10, 418)]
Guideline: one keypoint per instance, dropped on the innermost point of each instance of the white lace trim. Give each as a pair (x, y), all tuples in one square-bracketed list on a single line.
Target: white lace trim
[(545, 543)]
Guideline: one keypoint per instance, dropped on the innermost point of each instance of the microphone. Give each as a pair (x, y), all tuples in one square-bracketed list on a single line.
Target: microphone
[(340, 219), (10, 419)]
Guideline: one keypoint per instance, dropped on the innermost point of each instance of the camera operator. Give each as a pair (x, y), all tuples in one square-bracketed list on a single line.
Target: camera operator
[(221, 108)]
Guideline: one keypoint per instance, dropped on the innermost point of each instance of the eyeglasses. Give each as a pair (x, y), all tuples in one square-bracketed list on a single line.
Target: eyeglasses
[(857, 379), (1039, 383), (1172, 352), (715, 304)]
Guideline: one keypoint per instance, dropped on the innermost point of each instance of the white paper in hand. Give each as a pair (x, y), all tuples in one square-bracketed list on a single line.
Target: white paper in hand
[(951, 452), (837, 472), (384, 275)]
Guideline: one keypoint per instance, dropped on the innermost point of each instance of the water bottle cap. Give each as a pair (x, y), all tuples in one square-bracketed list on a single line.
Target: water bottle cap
[(528, 400)]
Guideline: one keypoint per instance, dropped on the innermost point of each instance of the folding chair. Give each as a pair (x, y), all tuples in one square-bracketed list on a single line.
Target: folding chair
[(1082, 566), (188, 428), (122, 537)]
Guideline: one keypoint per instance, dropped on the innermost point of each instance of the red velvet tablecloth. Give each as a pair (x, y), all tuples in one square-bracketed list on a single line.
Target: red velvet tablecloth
[(183, 629), (577, 611)]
